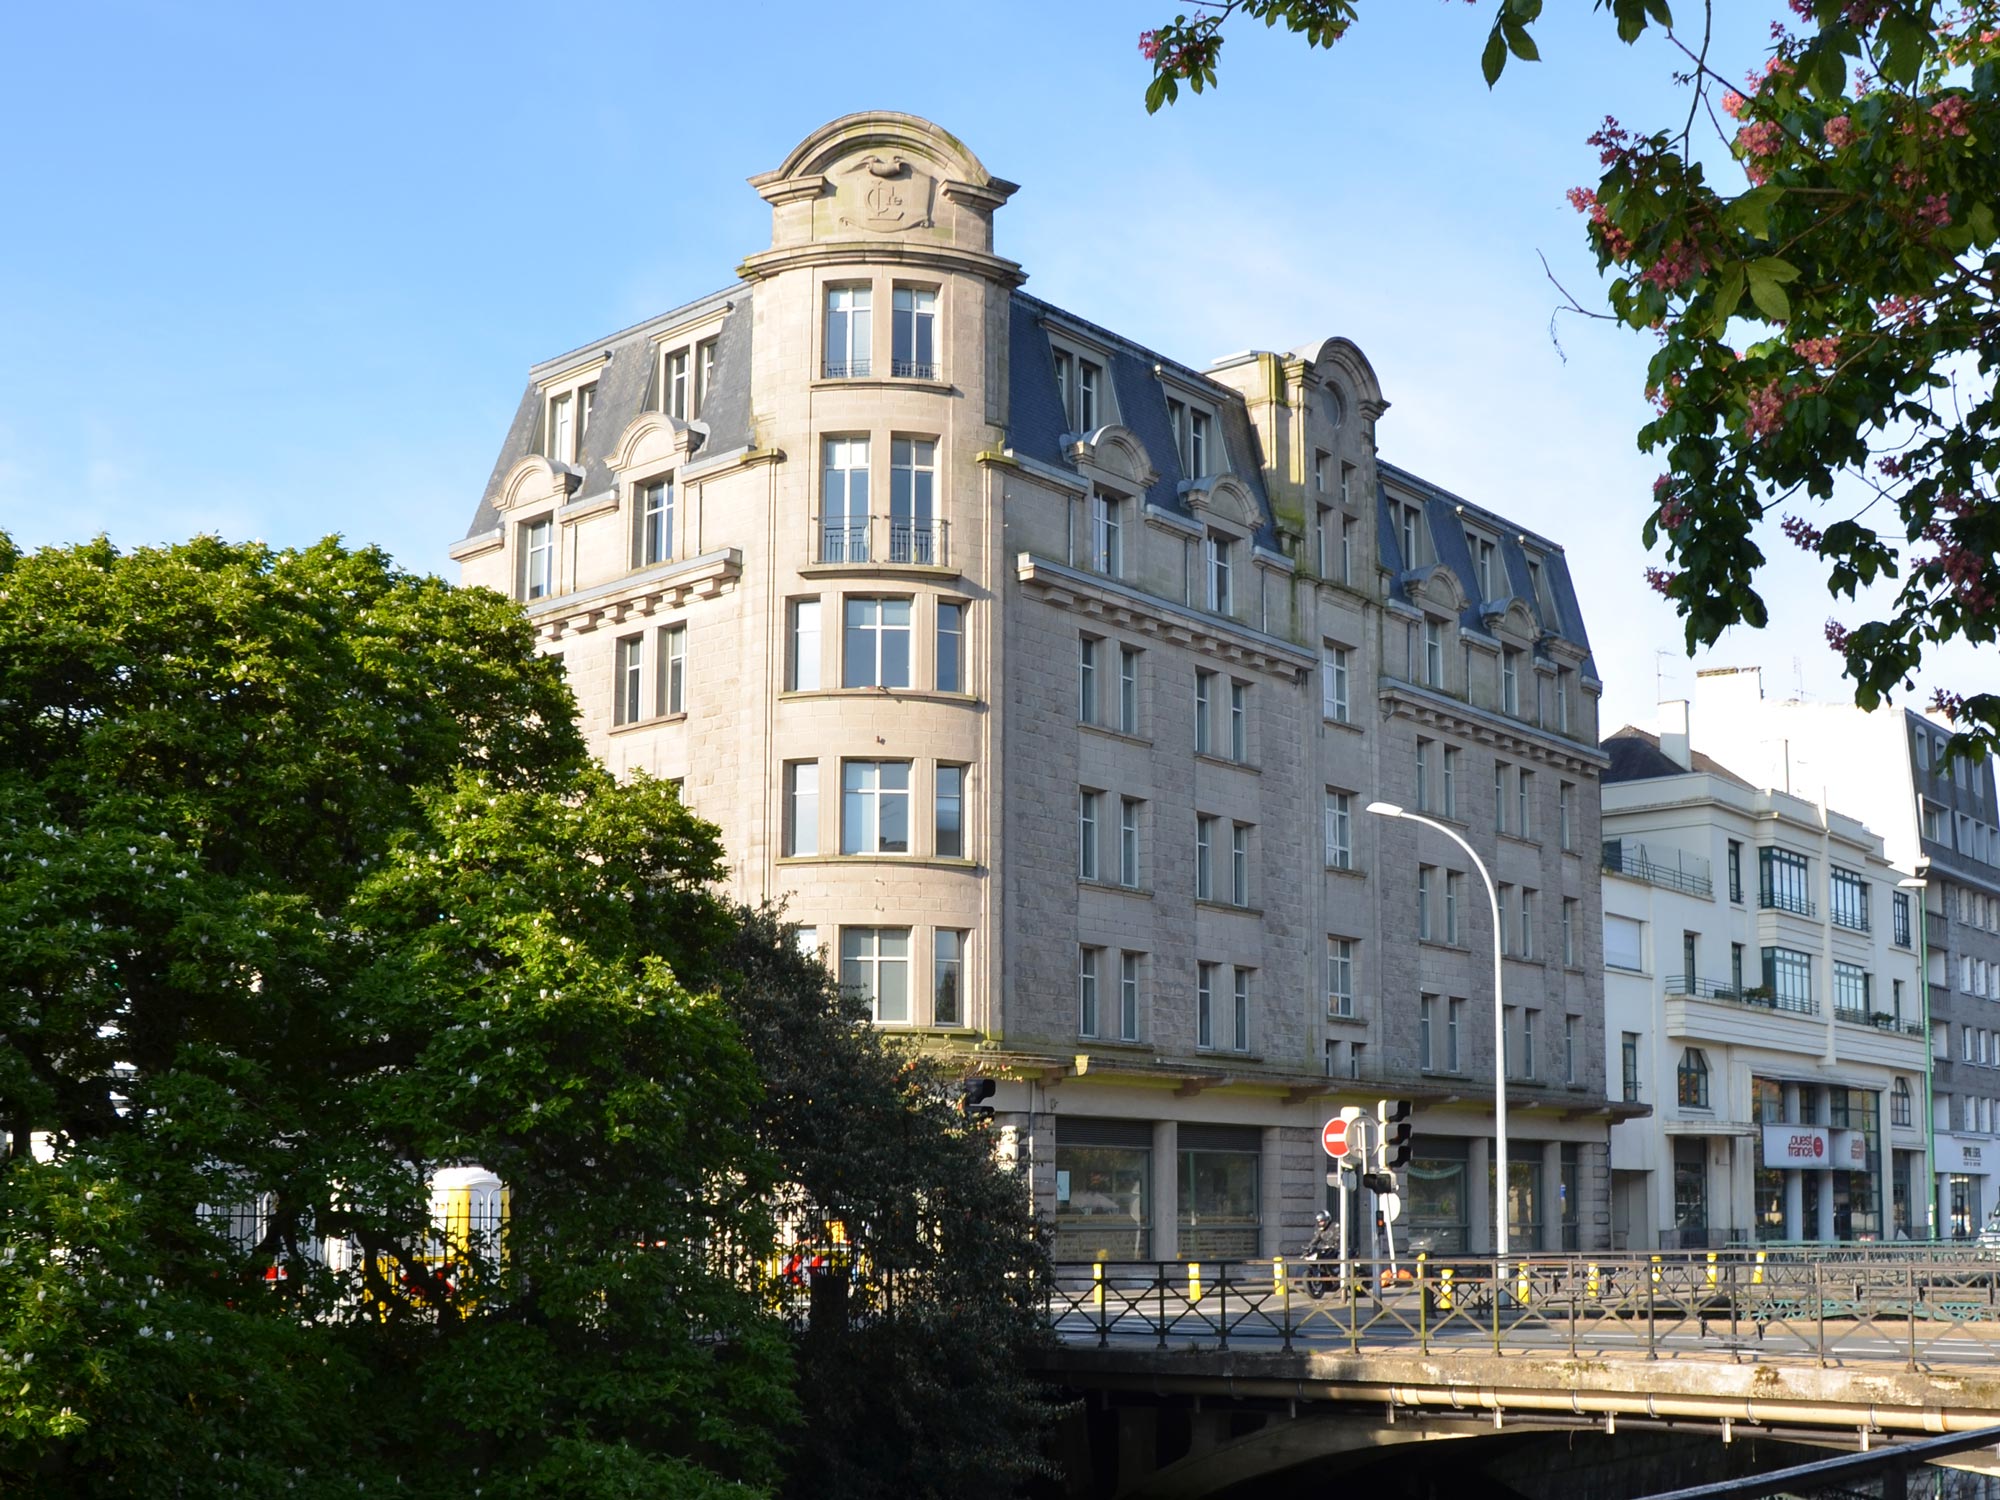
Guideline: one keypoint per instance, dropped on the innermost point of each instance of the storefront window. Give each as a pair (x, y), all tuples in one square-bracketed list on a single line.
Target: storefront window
[(1524, 1194), (1770, 1191), (1435, 1208), (1104, 1202), (1691, 1191), (1963, 1196), (1219, 1204), (1767, 1101), (1572, 1198)]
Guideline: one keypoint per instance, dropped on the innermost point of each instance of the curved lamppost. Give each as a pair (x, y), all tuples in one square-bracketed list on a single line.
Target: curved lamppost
[(1500, 1210)]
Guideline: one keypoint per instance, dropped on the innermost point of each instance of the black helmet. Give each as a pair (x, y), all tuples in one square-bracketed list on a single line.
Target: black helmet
[(1322, 1218)]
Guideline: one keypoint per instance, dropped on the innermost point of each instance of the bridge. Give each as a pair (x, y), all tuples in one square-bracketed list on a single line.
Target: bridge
[(1197, 1378)]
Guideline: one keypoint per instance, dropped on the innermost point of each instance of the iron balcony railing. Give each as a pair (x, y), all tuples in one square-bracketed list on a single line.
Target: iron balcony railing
[(882, 539), (1688, 873), (849, 369), (910, 369), (1791, 901), (1760, 996)]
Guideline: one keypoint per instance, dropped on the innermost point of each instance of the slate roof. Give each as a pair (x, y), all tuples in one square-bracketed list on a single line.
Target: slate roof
[(1037, 421), (1636, 756), (1447, 514), (626, 388)]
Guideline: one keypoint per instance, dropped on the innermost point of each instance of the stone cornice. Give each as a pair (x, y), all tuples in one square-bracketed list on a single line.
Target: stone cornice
[(1404, 699), (476, 545), (1108, 600), (769, 263), (637, 595)]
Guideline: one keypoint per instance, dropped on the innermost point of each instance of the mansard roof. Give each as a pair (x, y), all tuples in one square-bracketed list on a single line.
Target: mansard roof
[(625, 389), (1037, 422), (1447, 515)]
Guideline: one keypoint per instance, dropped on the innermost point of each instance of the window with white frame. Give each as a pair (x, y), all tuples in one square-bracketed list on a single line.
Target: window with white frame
[(849, 332), (1350, 531), (1204, 1005), (1128, 842), (1221, 550), (1087, 652), (802, 661), (1482, 563), (843, 514), (654, 539), (671, 645), (1204, 858), (1239, 864), (1107, 533), (1340, 976), (1339, 830), (538, 558), (1426, 1032), (1240, 1011), (875, 964), (704, 374), (1334, 665), (1433, 653), (566, 421), (1086, 991), (1564, 794), (1526, 947), (1570, 915), (629, 676), (1524, 804), (1454, 904), (875, 649), (1510, 680), (801, 807), (950, 646), (1499, 796), (1239, 721), (676, 383), (1192, 428), (947, 977), (949, 818), (1128, 689), (1408, 518), (1570, 1056), (1128, 997), (913, 333), (875, 807), (1454, 1024), (1426, 880), (1080, 388), (1448, 804), (913, 534), (1423, 775), (1089, 806), (1204, 713)]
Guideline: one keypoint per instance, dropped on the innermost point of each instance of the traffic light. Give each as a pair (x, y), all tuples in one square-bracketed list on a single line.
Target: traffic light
[(1379, 1182), (1392, 1150), (972, 1102)]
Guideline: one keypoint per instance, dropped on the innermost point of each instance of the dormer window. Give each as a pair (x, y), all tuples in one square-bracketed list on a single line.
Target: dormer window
[(567, 422), (1191, 427), (674, 382), (1079, 385), (849, 337), (914, 333), (1482, 562), (704, 374), (1510, 680), (1409, 521)]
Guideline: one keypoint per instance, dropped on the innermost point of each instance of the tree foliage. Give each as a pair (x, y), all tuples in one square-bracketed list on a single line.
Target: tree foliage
[(1825, 311), (311, 889)]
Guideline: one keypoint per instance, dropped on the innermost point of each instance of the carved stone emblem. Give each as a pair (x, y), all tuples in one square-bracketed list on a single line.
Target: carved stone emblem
[(885, 194)]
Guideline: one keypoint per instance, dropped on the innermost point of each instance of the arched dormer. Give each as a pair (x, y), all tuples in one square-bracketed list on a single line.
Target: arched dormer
[(535, 480), (1116, 452), (1436, 587), (1340, 361), (1511, 617), (655, 438), (1222, 497)]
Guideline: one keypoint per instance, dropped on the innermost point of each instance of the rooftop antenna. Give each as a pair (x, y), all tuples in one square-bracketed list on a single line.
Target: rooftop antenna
[(1799, 678), (1659, 676)]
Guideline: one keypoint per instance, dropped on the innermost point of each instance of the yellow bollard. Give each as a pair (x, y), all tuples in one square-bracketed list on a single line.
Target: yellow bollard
[(1278, 1275), (1521, 1287), (1591, 1282), (1757, 1276), (1097, 1285), (1656, 1270), (1711, 1268), (1444, 1290), (1194, 1282)]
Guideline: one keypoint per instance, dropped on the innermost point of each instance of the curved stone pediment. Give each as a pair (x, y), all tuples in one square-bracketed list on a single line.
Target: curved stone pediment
[(536, 480)]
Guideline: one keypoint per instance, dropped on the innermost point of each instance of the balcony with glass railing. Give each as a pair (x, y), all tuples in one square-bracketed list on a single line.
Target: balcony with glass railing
[(1673, 868), (895, 540)]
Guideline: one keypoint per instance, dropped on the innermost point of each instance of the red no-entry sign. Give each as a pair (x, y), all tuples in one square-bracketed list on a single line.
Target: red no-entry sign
[(1333, 1136)]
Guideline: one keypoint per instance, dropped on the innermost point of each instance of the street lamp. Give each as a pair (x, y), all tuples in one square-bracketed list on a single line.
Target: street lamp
[(1500, 1216), (1922, 887)]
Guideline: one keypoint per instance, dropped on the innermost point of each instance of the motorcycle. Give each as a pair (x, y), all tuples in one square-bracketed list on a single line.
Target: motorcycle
[(1319, 1271)]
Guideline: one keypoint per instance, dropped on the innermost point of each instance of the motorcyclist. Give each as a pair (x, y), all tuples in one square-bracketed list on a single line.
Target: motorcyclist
[(1322, 1242)]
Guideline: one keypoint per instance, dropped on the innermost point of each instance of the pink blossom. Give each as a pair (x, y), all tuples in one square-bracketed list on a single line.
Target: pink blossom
[(1951, 705), (1767, 412), (1659, 580), (1839, 132), (1823, 352), (1936, 211), (1836, 635), (1676, 266), (1949, 112), (1901, 310), (1733, 104), (1761, 139), (1803, 532), (1149, 44)]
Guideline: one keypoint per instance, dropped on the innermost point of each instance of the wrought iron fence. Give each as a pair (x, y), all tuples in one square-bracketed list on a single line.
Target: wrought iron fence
[(1915, 1309)]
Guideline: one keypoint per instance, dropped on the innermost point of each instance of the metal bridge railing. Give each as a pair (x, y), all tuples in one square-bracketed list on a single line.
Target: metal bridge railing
[(1920, 1308)]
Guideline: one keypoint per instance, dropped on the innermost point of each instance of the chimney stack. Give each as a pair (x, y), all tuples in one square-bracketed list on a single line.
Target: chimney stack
[(1674, 734)]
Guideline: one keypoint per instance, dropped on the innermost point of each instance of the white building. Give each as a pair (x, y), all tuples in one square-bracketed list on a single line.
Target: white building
[(1939, 823), (1761, 995)]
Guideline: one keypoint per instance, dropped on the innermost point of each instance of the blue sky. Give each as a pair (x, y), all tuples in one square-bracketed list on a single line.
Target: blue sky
[(279, 272)]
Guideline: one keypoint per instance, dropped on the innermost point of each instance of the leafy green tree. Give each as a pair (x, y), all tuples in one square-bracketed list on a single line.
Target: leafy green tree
[(311, 889), (1825, 313)]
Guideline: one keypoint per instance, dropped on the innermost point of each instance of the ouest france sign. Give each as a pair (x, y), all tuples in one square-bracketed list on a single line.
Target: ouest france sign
[(1815, 1148)]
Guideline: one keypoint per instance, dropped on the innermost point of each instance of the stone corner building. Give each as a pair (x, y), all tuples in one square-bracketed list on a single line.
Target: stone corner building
[(1048, 679)]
